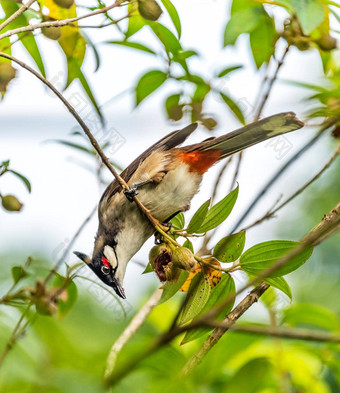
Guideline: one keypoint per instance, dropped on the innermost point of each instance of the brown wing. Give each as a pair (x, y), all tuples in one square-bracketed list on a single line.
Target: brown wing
[(170, 141)]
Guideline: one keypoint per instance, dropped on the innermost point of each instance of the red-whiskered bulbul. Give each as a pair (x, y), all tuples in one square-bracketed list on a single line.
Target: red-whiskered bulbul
[(167, 178)]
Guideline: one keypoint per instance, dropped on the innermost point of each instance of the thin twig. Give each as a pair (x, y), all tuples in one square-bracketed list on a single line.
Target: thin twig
[(291, 333), (272, 211), (321, 231), (136, 322), (16, 14), (59, 23), (276, 177), (270, 85), (16, 334), (237, 170), (92, 139), (70, 245)]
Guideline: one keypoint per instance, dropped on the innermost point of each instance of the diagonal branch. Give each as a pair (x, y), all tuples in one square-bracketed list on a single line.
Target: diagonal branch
[(273, 211), (136, 322), (58, 23), (92, 139), (20, 11), (291, 333), (327, 227)]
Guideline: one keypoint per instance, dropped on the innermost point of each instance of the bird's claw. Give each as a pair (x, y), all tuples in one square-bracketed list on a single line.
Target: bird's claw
[(131, 193)]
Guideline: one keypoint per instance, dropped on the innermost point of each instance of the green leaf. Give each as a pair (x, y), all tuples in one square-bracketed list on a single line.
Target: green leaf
[(197, 297), (230, 247), (170, 42), (173, 15), (75, 146), (172, 287), (254, 376), (133, 45), (136, 21), (262, 41), (178, 221), (234, 108), (89, 93), (201, 91), (198, 217), (23, 178), (93, 46), (244, 21), (223, 290), (18, 272), (310, 13), (281, 284), (261, 256), (189, 245), (303, 315), (148, 83), (219, 212), (228, 70), (65, 305), (172, 107), (148, 269), (27, 38)]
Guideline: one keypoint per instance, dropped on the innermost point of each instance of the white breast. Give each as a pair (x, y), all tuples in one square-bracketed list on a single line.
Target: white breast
[(172, 194)]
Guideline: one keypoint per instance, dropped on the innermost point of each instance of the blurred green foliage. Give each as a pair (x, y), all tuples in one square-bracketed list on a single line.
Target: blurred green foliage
[(65, 351)]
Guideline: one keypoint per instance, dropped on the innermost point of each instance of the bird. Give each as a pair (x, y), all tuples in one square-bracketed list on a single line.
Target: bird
[(166, 177)]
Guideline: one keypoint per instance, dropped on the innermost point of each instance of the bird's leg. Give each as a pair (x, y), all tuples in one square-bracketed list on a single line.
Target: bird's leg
[(165, 223), (133, 190)]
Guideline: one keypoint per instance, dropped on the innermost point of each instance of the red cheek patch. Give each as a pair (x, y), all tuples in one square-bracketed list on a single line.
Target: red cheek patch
[(105, 262)]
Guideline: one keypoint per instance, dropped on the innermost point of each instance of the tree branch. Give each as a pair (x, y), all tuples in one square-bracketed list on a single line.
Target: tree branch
[(59, 23), (272, 211), (92, 139), (291, 333), (278, 174), (136, 322), (16, 14), (230, 319), (320, 232)]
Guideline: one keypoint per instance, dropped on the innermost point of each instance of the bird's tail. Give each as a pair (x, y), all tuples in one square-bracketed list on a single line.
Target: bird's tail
[(252, 134)]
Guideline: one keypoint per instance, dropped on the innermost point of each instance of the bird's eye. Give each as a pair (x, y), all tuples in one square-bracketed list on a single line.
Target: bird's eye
[(105, 269)]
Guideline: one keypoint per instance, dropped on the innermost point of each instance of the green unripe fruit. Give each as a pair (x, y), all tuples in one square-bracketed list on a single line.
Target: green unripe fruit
[(183, 258), (11, 203), (172, 272), (53, 33), (160, 257), (149, 9), (64, 3), (7, 73), (327, 43)]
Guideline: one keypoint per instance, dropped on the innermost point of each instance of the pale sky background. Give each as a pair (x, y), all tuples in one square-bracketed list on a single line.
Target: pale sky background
[(63, 193)]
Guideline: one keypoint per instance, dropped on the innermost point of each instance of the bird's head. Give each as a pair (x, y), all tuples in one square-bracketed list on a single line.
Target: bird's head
[(105, 265)]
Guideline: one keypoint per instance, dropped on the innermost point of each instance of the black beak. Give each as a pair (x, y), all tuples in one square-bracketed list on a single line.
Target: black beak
[(118, 288), (83, 257)]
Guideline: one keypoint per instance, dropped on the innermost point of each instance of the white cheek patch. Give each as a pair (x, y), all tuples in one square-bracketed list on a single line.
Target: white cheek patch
[(111, 256)]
